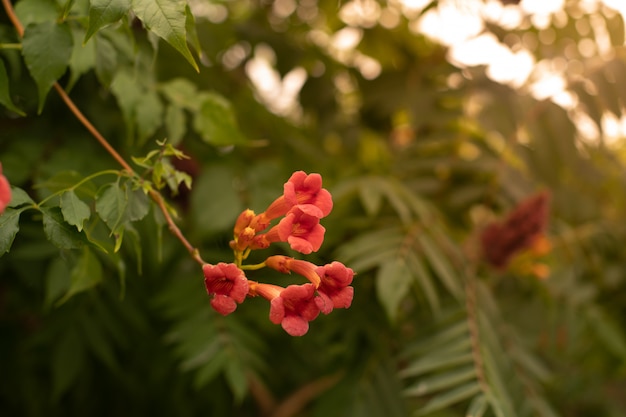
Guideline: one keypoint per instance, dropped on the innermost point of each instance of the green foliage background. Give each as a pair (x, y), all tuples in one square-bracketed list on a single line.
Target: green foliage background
[(418, 159)]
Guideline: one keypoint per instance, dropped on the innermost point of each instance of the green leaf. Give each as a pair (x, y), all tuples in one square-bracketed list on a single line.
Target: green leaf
[(86, 274), (441, 381), (149, 115), (215, 203), (175, 124), (371, 195), (190, 28), (47, 48), (19, 197), (111, 202), (393, 282), (105, 12), (138, 204), (450, 397), (74, 210), (477, 407), (216, 123), (166, 18), (82, 60), (5, 95), (182, 93), (9, 226), (106, 60), (57, 281), (441, 265), (36, 11), (59, 232), (237, 379)]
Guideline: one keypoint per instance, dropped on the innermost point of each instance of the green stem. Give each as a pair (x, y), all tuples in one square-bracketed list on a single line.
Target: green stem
[(81, 182), (253, 267)]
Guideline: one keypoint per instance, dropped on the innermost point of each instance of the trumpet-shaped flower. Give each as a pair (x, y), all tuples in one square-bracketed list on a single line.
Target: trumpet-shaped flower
[(227, 283), (287, 265), (334, 290), (302, 231), (301, 190), (5, 192), (292, 307)]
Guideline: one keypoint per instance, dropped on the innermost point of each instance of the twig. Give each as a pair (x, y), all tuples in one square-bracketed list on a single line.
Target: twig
[(155, 195)]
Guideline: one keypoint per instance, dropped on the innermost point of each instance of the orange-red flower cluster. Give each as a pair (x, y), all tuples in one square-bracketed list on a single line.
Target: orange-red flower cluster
[(5, 192), (303, 203)]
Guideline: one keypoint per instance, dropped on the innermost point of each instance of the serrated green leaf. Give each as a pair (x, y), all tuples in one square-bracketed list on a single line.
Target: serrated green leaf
[(175, 124), (393, 282), (105, 12), (138, 204), (111, 202), (216, 123), (19, 197), (166, 18), (451, 397), (36, 11), (9, 226), (86, 274), (47, 48), (59, 232), (5, 95), (74, 210)]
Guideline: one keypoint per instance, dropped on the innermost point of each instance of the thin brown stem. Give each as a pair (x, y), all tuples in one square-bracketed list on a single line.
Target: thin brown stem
[(155, 195), (8, 7)]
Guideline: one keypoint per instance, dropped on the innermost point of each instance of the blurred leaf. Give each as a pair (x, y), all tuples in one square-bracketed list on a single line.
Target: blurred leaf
[(82, 60), (106, 61), (74, 210), (477, 407), (57, 281), (393, 282), (104, 12), (441, 381), (168, 20), (215, 203), (216, 124), (175, 123), (86, 274), (36, 11), (5, 95), (47, 48), (454, 396), (149, 113)]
